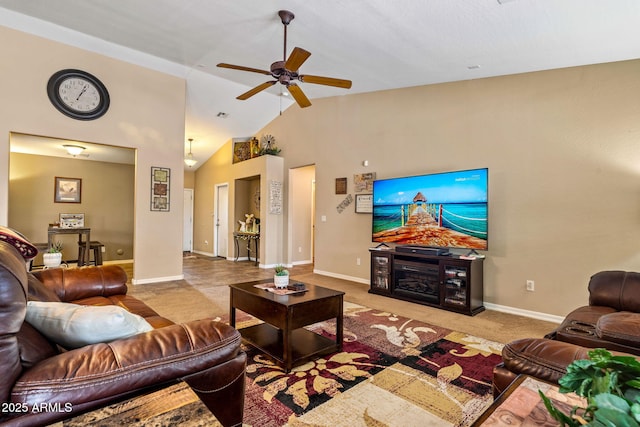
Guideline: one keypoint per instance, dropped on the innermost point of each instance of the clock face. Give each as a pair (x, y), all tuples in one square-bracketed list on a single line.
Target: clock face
[(78, 94)]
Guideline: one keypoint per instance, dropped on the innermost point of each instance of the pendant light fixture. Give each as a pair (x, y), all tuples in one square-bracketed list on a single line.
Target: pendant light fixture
[(189, 160)]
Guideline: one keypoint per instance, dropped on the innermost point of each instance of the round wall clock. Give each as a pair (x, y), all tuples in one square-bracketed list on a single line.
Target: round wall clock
[(78, 94)]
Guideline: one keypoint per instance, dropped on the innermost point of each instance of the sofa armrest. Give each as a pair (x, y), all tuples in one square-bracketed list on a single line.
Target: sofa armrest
[(622, 327), (111, 370), (616, 289), (78, 283), (541, 358)]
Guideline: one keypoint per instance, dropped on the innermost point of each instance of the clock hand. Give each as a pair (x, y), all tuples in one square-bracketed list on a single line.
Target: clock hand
[(84, 89)]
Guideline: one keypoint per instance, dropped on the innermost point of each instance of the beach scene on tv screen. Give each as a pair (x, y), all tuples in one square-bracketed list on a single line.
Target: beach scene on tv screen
[(441, 210)]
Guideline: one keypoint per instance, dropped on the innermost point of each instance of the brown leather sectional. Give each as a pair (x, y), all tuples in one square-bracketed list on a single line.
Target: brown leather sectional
[(37, 373), (611, 321)]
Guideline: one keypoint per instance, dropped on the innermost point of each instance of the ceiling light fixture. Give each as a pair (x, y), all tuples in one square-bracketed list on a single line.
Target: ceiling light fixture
[(74, 150), (189, 160)]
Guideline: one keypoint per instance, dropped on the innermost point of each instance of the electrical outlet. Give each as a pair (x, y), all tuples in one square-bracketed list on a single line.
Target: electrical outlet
[(531, 285), (357, 261), (299, 249), (103, 249)]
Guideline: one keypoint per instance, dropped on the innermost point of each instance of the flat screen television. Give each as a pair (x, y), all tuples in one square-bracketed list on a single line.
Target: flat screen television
[(442, 210)]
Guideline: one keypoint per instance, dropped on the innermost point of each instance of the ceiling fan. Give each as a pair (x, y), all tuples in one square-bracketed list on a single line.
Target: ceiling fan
[(286, 71)]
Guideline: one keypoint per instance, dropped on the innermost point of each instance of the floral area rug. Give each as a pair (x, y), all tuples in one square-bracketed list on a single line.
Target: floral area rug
[(393, 371)]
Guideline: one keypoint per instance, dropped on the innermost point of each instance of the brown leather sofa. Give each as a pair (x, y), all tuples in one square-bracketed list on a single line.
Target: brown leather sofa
[(611, 321), (205, 354), (612, 318)]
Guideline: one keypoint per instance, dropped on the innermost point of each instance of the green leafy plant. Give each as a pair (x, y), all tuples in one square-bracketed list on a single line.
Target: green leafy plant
[(281, 270), (611, 385), (55, 248), (274, 151)]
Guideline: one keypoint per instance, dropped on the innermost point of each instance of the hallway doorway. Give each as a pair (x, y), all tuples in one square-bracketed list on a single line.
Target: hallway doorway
[(221, 221), (301, 215)]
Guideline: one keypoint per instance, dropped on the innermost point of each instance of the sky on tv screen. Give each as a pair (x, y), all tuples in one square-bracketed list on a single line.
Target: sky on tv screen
[(451, 187)]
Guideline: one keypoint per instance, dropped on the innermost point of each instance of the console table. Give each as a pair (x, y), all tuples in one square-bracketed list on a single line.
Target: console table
[(80, 231), (248, 238)]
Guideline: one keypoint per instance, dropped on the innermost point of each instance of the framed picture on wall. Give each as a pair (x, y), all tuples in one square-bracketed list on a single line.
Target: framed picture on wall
[(363, 182), (341, 185), (67, 190), (160, 189), (364, 203), (241, 151)]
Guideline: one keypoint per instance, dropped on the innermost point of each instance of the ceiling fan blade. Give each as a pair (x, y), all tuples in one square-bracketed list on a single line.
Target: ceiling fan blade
[(299, 96), (296, 59), (327, 81), (241, 68), (255, 90)]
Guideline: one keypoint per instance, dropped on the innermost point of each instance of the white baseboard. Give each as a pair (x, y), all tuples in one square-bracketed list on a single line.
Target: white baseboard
[(204, 253), (343, 276), (489, 306), (525, 313), (157, 280)]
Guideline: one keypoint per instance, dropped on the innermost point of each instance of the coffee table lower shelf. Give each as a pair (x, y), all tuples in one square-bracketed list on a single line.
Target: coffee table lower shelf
[(305, 345)]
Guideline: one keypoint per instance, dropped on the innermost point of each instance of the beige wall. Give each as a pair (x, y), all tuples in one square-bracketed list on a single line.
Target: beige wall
[(146, 113), (189, 179), (242, 179), (562, 151), (106, 202)]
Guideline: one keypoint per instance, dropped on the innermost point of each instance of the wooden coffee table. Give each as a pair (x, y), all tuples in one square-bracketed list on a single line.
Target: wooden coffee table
[(282, 335)]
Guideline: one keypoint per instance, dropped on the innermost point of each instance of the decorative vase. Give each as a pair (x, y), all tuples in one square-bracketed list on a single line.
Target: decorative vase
[(52, 260), (281, 282)]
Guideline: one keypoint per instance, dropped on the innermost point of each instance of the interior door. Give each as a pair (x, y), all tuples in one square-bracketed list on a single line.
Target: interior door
[(313, 220), (187, 235), (221, 220)]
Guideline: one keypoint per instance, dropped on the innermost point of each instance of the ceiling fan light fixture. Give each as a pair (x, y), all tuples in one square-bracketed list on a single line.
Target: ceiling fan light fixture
[(74, 150), (189, 160)]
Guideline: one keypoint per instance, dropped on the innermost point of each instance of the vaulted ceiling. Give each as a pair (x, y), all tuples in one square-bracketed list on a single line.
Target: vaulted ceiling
[(378, 44)]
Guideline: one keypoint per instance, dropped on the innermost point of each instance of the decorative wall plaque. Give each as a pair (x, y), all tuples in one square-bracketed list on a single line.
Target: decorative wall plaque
[(160, 189)]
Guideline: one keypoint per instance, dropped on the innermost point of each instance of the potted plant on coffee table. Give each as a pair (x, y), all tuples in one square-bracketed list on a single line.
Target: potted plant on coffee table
[(281, 278), (53, 257), (611, 385)]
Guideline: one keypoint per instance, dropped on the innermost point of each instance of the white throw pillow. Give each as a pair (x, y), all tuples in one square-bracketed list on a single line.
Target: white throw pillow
[(74, 325)]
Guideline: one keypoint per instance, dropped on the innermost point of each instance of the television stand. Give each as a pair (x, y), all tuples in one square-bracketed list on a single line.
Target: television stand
[(444, 281)]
